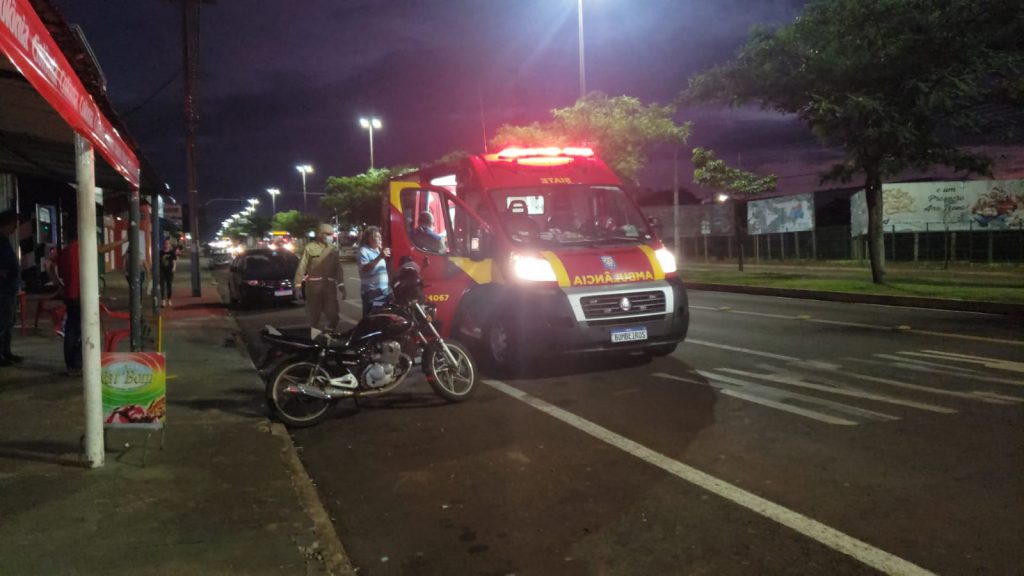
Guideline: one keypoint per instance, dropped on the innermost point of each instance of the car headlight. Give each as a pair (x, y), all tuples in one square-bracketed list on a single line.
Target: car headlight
[(666, 259), (532, 268)]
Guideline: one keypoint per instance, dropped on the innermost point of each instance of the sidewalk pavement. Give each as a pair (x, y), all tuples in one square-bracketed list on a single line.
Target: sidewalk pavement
[(224, 496)]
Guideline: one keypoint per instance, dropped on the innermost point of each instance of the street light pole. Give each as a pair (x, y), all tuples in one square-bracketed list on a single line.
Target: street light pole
[(370, 124), (273, 201), (583, 66), (304, 169)]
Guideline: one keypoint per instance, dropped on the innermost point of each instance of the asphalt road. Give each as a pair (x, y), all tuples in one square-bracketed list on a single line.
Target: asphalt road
[(785, 436)]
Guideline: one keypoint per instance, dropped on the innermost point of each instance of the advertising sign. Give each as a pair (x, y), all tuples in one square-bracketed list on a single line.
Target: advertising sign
[(939, 206), (134, 389), (172, 212), (705, 220), (783, 214)]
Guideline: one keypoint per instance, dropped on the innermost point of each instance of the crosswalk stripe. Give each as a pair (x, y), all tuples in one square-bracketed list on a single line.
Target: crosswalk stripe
[(779, 394), (980, 395), (731, 391), (940, 368), (792, 380), (994, 363)]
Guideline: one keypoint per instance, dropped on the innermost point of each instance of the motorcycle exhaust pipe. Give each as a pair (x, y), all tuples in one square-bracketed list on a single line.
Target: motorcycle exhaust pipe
[(308, 391)]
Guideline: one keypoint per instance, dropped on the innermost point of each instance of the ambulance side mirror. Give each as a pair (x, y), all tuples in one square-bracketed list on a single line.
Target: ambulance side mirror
[(480, 246), (655, 223)]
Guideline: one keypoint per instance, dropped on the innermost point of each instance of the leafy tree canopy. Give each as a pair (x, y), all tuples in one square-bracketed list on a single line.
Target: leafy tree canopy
[(296, 223), (711, 172), (621, 129), (888, 80), (357, 199)]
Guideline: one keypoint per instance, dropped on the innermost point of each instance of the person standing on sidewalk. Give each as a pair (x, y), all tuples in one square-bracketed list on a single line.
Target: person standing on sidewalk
[(320, 269), (168, 263), (10, 283), (373, 272), (69, 270)]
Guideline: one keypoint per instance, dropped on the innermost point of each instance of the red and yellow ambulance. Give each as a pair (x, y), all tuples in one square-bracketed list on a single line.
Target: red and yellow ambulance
[(537, 250)]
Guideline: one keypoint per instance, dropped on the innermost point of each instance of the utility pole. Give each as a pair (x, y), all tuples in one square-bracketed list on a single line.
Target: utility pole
[(190, 43)]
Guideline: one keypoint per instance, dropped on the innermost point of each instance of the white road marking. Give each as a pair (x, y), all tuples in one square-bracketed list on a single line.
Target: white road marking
[(784, 377), (980, 395), (940, 368), (736, 392), (763, 391), (840, 542), (994, 363), (743, 350)]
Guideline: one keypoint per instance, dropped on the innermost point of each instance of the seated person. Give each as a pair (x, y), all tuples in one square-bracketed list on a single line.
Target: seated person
[(425, 237)]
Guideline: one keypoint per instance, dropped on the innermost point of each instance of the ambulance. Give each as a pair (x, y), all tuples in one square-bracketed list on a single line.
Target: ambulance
[(533, 251)]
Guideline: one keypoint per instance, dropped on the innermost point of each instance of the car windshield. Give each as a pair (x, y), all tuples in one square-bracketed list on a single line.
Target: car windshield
[(570, 214), (276, 263)]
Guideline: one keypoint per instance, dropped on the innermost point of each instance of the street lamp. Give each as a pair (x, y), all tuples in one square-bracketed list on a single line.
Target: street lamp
[(370, 124), (583, 66), (304, 169), (273, 200)]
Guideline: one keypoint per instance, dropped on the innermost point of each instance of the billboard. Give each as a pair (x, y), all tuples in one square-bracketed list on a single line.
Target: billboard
[(784, 214), (706, 220), (936, 206)]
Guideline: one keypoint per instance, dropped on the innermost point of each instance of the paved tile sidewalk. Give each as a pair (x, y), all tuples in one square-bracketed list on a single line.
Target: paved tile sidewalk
[(218, 499)]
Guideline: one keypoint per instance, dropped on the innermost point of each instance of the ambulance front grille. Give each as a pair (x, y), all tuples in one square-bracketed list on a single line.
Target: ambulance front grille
[(610, 305)]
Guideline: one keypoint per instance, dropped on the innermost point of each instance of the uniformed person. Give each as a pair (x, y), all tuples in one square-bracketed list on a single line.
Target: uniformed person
[(320, 268)]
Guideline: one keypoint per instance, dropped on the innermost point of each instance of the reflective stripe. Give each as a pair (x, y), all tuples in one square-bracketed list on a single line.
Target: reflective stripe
[(559, 268), (659, 274)]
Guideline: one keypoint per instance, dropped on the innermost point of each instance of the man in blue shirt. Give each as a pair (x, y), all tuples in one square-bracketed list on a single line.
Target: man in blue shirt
[(425, 237), (373, 271), (10, 283)]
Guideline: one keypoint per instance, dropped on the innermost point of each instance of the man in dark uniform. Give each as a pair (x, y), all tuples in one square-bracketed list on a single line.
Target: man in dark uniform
[(10, 283)]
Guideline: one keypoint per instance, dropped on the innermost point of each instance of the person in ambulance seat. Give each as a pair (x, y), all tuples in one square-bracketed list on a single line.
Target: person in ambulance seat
[(425, 237)]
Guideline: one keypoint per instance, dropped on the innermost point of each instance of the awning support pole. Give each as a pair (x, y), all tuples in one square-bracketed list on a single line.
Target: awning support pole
[(135, 272), (155, 208), (90, 299)]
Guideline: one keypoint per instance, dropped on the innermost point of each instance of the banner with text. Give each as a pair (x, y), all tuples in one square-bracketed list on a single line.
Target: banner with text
[(134, 389)]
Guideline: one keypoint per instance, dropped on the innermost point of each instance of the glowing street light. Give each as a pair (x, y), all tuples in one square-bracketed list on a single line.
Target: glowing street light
[(273, 199), (304, 169), (722, 197), (370, 124)]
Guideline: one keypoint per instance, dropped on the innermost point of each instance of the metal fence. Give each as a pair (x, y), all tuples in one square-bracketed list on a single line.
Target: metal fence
[(835, 243)]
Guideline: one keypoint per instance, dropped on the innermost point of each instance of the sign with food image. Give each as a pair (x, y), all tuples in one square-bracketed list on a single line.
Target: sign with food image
[(134, 390)]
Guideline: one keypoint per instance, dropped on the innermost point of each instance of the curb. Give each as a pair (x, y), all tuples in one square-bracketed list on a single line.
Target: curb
[(335, 559), (850, 297)]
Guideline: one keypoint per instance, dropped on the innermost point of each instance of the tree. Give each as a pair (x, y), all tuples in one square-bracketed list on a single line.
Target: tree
[(710, 172), (622, 129), (890, 81), (251, 226), (357, 199), (296, 223)]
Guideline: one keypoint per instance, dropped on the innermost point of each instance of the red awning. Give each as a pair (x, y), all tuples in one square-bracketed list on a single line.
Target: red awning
[(31, 49)]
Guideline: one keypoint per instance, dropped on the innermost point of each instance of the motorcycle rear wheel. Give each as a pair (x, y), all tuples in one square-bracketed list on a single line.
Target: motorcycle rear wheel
[(294, 409), (454, 383)]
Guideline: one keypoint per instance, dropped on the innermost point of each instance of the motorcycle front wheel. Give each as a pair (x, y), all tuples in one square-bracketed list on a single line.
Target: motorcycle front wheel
[(453, 382), (293, 408)]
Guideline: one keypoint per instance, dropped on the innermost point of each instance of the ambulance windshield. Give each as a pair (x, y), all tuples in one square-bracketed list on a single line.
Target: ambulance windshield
[(570, 214)]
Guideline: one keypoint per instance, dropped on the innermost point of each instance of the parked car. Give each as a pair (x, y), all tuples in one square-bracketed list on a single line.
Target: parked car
[(219, 255), (262, 276)]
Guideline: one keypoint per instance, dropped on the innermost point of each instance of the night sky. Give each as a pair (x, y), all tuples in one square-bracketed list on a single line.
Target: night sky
[(284, 82)]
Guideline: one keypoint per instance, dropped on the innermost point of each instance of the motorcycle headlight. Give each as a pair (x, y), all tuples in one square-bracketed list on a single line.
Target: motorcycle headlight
[(532, 268), (666, 259)]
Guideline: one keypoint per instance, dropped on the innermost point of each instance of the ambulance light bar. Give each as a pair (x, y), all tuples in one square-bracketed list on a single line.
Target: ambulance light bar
[(515, 152)]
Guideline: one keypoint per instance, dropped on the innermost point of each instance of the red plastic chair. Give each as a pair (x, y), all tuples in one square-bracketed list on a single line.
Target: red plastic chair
[(111, 336)]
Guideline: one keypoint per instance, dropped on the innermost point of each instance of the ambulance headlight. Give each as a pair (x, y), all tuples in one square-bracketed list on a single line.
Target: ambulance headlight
[(666, 259), (532, 268)]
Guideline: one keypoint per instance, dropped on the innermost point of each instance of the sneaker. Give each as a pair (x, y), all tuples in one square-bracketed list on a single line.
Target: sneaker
[(15, 358)]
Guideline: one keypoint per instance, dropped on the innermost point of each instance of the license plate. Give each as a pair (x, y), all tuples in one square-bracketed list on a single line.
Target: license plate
[(283, 292), (629, 334)]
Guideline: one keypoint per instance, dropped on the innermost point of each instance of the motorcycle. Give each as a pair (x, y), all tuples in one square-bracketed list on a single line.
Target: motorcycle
[(305, 377)]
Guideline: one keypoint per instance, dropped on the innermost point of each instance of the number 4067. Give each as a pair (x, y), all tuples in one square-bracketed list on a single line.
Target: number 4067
[(437, 297)]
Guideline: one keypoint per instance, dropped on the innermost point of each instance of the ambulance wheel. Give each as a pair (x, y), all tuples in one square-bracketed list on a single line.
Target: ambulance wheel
[(503, 348)]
